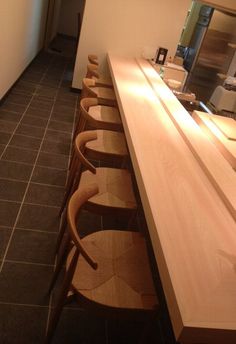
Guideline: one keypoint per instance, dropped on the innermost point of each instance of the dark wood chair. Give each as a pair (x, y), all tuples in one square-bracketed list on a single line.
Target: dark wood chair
[(107, 271)]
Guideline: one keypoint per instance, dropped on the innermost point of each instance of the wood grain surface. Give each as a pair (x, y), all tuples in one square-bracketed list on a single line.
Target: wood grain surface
[(192, 228)]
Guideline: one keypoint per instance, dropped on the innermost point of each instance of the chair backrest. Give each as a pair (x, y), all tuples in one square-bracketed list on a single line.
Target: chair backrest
[(85, 104), (93, 59), (76, 201), (87, 88), (80, 142), (92, 71)]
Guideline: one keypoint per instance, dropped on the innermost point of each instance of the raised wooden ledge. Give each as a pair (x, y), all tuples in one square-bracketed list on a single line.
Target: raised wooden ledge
[(193, 233), (216, 168), (225, 145)]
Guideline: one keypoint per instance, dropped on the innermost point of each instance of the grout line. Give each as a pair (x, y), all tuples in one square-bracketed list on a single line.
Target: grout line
[(42, 205), (36, 150), (22, 304), (33, 182), (27, 263), (32, 164), (14, 131), (33, 230), (16, 162), (13, 146)]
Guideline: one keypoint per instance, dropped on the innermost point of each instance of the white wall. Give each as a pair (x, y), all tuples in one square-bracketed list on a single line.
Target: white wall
[(22, 24), (127, 27), (68, 23), (56, 18)]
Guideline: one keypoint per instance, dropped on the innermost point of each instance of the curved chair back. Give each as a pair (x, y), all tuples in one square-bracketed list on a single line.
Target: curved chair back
[(77, 200), (93, 59), (92, 71), (87, 88)]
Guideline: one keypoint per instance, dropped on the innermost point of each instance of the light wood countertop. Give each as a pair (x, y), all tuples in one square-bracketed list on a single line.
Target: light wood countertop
[(223, 134), (188, 206)]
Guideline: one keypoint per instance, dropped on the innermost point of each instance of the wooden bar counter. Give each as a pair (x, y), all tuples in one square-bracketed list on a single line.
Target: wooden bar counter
[(188, 192)]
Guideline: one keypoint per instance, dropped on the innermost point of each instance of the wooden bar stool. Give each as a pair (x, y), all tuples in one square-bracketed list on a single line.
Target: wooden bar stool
[(90, 89), (107, 272), (103, 145), (92, 58), (93, 73), (98, 116), (116, 189)]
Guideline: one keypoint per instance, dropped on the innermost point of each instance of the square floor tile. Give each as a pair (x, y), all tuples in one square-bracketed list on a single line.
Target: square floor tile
[(62, 117), (24, 283), (8, 213), (57, 136), (67, 103), (18, 99), (7, 127), (14, 107), (15, 170), (12, 190), (32, 246), (25, 142), (64, 109), (32, 77), (60, 126), (4, 137), (22, 324), (9, 116), (51, 83), (39, 217), (24, 87), (53, 160), (41, 104), (51, 176), (2, 147), (47, 92), (68, 95), (45, 195), (5, 233), (20, 155), (55, 147), (38, 112), (34, 121), (28, 130)]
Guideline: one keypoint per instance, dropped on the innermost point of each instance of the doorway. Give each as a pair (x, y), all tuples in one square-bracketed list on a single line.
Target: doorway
[(208, 45), (64, 18)]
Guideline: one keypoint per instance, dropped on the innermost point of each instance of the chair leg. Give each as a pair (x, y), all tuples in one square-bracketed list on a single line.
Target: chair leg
[(64, 215), (69, 184), (65, 247), (61, 300), (80, 126), (61, 231)]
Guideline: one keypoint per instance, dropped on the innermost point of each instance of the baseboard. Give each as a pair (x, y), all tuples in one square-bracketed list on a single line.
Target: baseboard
[(75, 90), (70, 38)]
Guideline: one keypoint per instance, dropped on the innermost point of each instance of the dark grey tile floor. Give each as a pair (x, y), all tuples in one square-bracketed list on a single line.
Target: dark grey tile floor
[(36, 122)]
